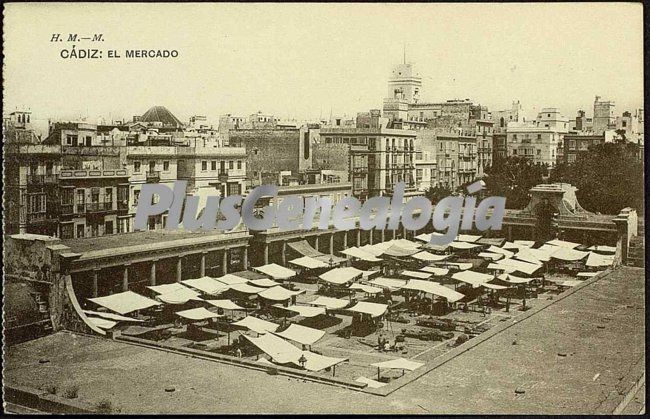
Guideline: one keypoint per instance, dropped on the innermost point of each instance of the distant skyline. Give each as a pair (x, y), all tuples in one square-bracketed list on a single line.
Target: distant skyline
[(303, 61)]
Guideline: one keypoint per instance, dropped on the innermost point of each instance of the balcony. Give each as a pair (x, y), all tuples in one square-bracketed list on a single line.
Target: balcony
[(67, 209), (92, 174), (153, 176), (99, 206), (39, 180)]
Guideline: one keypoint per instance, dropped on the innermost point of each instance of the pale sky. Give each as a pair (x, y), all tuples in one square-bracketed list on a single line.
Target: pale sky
[(301, 60)]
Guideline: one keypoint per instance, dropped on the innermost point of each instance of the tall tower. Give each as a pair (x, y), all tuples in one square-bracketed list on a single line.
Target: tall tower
[(603, 115), (404, 84)]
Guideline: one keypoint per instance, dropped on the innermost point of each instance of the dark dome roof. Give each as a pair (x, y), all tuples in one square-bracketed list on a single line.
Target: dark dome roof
[(161, 114)]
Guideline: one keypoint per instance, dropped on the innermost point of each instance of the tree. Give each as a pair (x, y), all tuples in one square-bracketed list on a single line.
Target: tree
[(609, 177), (437, 193), (512, 177)]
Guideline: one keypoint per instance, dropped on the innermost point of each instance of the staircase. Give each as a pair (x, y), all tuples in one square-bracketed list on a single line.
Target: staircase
[(636, 252)]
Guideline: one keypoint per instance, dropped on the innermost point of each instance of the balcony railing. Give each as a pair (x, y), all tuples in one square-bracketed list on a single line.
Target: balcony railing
[(153, 176), (41, 179), (99, 206)]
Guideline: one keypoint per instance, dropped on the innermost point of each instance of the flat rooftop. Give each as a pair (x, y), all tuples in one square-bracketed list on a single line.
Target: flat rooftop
[(581, 354), (138, 238)]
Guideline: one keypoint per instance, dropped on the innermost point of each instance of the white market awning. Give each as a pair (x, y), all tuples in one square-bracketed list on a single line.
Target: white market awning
[(225, 304), (257, 325), (247, 289), (276, 271), (570, 283), (390, 283), (525, 243), (263, 283), (200, 313), (365, 288), (230, 279), (491, 256), (309, 263), (111, 316), (461, 266), (430, 257), (587, 274), (562, 243), (302, 334), (504, 252), (603, 249), (416, 274), (180, 296), (517, 265), (167, 288), (468, 238), (569, 255), (436, 271), (303, 311), (330, 303), (374, 309), (340, 276), (435, 289), (125, 302), (206, 285), (358, 253), (596, 260), (102, 323), (464, 245), (398, 364), (426, 237), (370, 383), (475, 279), (278, 293)]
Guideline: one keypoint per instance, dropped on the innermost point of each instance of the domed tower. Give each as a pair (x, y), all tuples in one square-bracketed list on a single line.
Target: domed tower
[(161, 116)]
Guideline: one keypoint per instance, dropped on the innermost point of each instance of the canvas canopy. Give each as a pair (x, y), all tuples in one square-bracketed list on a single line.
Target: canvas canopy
[(263, 283), (504, 252), (370, 383), (278, 293), (525, 243), (309, 262), (598, 260), (504, 268), (102, 323), (493, 286), (416, 274), (491, 256), (206, 285), (513, 246), (473, 278), (435, 289), (366, 288), (400, 249), (461, 266), (562, 243), (464, 245), (587, 274), (374, 309), (257, 325), (435, 271), (180, 296), (390, 283), (330, 303), (408, 243), (536, 256), (358, 253), (468, 238), (302, 334), (436, 247), (111, 316), (230, 279), (125, 302), (430, 257), (167, 288), (517, 279), (276, 271), (373, 249), (284, 352), (426, 237), (247, 289), (304, 311), (200, 313), (491, 241), (569, 255), (525, 267), (304, 248), (603, 249), (340, 276), (399, 364), (225, 304)]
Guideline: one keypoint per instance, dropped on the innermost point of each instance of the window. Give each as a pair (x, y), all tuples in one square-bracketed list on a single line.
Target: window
[(514, 152), (213, 165), (234, 189), (166, 166), (136, 167), (539, 137), (222, 166), (152, 165), (231, 164), (94, 195), (136, 197), (239, 164), (81, 200), (80, 230), (624, 124), (89, 141), (48, 168), (204, 165), (67, 196), (108, 195), (68, 139), (539, 152), (108, 227), (514, 136)]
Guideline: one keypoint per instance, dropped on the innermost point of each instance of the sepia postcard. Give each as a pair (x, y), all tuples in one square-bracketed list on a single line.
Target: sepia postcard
[(323, 208)]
